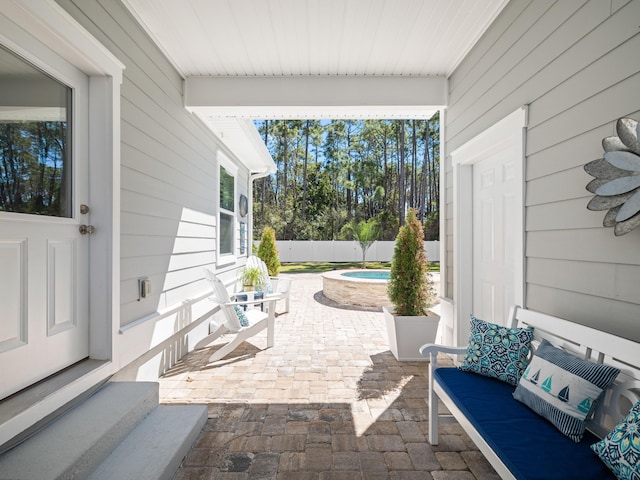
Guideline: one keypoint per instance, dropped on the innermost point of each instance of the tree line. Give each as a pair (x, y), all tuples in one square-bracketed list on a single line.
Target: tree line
[(33, 177), (334, 174)]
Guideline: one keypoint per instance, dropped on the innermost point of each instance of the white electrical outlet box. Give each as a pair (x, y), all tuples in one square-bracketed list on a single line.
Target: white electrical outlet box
[(144, 288)]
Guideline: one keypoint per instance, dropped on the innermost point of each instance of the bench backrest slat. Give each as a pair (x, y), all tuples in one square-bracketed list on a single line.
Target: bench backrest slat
[(596, 346)]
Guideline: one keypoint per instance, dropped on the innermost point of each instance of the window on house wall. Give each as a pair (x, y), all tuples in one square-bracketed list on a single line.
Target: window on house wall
[(226, 211)]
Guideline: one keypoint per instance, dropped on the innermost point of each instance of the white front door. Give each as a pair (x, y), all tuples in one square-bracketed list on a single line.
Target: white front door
[(44, 315), (495, 186)]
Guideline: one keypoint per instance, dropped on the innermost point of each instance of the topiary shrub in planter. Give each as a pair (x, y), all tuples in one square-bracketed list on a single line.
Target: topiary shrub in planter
[(409, 322), (268, 251)]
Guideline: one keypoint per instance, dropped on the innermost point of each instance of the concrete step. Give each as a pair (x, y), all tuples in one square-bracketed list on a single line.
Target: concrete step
[(155, 449), (75, 445)]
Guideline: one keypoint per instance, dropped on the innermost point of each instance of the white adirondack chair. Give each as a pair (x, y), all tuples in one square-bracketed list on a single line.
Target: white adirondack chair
[(277, 287), (255, 320)]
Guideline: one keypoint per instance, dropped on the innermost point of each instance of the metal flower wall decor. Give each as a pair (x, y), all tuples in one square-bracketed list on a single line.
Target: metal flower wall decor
[(617, 178)]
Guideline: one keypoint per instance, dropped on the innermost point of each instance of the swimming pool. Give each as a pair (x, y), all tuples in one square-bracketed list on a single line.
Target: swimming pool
[(369, 274), (365, 288)]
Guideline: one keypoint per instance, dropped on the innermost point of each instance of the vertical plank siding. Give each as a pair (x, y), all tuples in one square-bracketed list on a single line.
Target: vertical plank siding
[(574, 62), (168, 169)]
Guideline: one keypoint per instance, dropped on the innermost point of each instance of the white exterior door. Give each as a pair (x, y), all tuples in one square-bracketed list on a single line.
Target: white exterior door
[(44, 281), (495, 186), (488, 224)]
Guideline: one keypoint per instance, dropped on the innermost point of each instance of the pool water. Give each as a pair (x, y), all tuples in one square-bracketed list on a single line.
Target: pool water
[(376, 275)]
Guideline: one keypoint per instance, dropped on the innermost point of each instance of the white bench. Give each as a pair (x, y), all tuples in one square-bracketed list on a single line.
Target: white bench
[(586, 342)]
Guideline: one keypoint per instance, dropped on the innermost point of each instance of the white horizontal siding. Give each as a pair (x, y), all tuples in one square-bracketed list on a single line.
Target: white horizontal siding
[(586, 42), (524, 47), (571, 153), (587, 245), (603, 107), (609, 314), (169, 170), (574, 63), (562, 215), (606, 280), (599, 76), (562, 185), (165, 188)]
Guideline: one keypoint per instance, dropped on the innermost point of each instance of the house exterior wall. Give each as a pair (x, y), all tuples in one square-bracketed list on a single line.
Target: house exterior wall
[(573, 63), (168, 195)]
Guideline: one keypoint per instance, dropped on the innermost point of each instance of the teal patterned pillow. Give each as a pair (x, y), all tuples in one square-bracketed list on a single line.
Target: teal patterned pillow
[(620, 450), (497, 351), (267, 286), (242, 317)]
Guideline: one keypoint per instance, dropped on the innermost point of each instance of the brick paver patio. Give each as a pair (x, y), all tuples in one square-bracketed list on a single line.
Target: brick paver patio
[(327, 402)]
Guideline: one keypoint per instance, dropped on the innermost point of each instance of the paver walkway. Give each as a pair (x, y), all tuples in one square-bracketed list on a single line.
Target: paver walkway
[(327, 402)]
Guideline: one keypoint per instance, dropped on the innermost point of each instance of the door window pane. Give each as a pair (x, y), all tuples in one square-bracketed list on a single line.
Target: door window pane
[(35, 140)]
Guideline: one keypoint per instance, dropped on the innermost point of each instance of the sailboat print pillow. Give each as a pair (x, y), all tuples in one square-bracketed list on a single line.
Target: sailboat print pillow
[(563, 388)]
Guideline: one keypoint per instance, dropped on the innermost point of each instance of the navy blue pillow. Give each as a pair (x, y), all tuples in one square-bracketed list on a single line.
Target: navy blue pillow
[(563, 388)]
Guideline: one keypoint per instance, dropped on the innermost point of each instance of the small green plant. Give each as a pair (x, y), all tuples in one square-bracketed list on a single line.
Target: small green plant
[(251, 277), (268, 251), (365, 233), (410, 287)]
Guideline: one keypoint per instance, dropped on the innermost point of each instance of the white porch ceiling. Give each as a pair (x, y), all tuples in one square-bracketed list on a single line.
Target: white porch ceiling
[(316, 38), (290, 59)]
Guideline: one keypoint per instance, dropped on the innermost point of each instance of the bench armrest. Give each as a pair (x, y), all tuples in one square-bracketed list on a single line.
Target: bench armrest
[(431, 351), (429, 348)]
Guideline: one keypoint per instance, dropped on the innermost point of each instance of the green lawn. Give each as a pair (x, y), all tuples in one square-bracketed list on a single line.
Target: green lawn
[(319, 267)]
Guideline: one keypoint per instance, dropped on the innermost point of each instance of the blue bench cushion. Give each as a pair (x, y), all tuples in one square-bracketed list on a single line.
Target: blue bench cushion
[(530, 446)]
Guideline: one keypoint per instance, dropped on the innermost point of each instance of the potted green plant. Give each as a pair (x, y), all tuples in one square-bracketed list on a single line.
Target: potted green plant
[(268, 251), (251, 277), (410, 324)]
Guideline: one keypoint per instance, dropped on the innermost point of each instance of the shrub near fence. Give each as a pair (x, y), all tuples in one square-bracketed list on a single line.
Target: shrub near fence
[(343, 251)]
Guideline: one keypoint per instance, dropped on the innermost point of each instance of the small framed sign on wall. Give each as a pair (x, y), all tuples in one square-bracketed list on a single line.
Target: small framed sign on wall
[(243, 237)]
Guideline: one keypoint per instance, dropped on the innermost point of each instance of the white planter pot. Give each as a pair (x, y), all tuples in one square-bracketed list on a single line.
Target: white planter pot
[(408, 334)]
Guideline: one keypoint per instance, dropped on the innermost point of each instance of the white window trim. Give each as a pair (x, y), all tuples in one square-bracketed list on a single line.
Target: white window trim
[(508, 131), (232, 169)]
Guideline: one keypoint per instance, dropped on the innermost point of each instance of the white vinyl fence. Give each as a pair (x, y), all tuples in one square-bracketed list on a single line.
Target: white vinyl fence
[(343, 251)]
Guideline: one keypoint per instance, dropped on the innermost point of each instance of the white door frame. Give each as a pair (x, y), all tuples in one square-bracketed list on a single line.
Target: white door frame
[(38, 29), (508, 133)]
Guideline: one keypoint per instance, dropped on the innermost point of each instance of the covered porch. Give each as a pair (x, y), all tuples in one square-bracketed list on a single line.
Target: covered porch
[(327, 401)]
